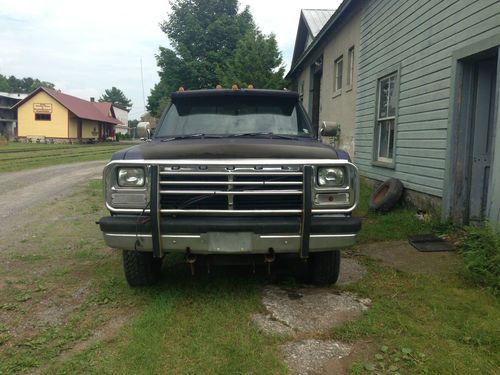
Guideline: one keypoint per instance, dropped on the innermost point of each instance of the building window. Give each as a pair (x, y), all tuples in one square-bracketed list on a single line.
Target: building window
[(350, 66), (386, 118), (301, 91), (339, 68), (43, 116)]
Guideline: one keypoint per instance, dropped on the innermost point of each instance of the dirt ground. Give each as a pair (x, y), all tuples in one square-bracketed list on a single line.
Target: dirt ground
[(404, 257), (21, 192)]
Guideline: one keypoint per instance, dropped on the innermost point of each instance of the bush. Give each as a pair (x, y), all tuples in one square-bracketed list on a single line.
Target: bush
[(480, 248), (121, 137)]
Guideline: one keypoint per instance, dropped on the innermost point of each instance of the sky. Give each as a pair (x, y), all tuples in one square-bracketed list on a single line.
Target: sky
[(87, 47)]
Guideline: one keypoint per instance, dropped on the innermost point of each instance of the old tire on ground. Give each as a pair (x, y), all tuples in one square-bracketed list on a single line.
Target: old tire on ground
[(324, 267), (385, 197), (141, 268)]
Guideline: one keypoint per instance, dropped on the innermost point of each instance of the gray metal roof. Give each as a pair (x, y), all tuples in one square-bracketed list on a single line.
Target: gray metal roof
[(316, 19), (300, 54), (13, 95)]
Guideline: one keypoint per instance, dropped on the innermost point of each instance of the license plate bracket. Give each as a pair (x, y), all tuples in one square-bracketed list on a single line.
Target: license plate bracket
[(229, 242)]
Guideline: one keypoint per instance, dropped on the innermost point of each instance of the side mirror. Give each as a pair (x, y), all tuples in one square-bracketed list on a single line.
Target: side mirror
[(329, 129)]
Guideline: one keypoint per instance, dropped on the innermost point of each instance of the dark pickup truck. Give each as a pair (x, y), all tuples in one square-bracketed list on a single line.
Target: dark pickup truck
[(235, 174)]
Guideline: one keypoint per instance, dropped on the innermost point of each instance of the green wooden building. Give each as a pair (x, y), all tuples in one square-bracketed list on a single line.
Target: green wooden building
[(427, 106)]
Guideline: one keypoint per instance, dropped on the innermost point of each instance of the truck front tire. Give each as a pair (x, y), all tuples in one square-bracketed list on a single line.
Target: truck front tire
[(141, 268), (324, 267)]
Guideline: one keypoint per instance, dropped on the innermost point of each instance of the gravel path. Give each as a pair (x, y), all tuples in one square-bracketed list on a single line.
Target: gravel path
[(21, 192)]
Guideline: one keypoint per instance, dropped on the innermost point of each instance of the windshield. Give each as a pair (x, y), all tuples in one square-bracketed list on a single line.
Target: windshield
[(244, 116)]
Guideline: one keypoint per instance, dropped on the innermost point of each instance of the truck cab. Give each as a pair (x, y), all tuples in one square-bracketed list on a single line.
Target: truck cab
[(236, 174)]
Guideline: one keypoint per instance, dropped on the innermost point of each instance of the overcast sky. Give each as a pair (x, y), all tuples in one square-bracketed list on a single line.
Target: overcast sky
[(87, 47)]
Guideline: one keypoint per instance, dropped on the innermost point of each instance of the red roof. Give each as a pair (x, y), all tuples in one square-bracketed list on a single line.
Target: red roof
[(104, 107), (79, 107)]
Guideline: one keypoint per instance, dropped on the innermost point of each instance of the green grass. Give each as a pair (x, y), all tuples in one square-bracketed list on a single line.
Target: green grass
[(447, 324), (184, 325), (19, 156), (480, 248), (453, 324), (441, 324), (187, 326), (397, 224)]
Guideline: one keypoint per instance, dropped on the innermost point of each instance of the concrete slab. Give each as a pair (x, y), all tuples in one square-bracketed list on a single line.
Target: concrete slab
[(307, 310), (404, 257), (310, 356)]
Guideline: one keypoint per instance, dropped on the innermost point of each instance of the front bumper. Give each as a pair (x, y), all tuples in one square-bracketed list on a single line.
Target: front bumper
[(225, 235)]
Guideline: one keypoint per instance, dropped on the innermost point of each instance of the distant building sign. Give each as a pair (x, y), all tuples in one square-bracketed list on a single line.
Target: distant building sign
[(42, 107)]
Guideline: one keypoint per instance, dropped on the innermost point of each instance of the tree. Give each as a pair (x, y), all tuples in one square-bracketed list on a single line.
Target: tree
[(116, 96), (204, 35), (133, 123), (22, 85), (256, 61), (4, 84)]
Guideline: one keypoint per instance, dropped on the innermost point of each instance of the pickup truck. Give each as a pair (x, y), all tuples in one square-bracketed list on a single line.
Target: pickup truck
[(234, 174)]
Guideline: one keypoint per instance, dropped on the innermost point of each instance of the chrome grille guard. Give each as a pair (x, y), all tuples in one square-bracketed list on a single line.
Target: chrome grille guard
[(243, 186)]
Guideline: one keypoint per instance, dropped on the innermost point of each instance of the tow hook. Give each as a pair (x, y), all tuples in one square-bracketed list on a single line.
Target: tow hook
[(190, 259), (269, 258)]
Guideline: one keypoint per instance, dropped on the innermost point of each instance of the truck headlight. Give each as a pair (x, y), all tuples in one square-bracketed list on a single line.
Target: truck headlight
[(131, 177), (331, 176)]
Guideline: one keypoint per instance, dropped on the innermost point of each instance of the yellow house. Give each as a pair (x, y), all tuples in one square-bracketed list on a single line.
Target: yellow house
[(51, 115)]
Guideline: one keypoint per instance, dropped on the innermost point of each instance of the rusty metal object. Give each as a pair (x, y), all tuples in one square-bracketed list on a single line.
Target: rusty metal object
[(190, 259)]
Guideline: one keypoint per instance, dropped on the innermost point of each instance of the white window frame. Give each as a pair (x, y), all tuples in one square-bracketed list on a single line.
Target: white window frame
[(338, 62), (393, 92)]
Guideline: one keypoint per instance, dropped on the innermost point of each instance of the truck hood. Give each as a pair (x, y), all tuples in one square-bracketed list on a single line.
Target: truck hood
[(229, 148)]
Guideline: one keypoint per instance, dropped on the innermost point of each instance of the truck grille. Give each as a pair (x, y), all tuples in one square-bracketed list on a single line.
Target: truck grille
[(231, 190)]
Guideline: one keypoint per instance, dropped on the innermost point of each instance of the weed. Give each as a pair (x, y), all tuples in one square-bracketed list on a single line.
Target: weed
[(30, 257), (393, 361), (455, 325), (8, 306), (40, 288), (61, 272), (480, 248), (23, 296), (108, 291), (4, 338)]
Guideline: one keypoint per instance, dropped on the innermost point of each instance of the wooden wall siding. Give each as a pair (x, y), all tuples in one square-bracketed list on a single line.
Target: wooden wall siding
[(418, 36)]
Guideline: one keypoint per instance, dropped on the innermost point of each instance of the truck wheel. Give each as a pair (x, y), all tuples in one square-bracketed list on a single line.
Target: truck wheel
[(324, 267), (141, 268)]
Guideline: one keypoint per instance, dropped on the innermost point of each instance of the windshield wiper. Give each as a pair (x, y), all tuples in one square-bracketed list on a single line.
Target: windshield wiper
[(269, 134), (187, 136)]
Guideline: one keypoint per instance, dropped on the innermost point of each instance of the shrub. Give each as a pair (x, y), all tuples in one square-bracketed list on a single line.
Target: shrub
[(480, 248)]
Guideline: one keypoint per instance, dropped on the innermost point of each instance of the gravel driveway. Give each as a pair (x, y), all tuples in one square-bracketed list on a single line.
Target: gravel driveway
[(21, 192)]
